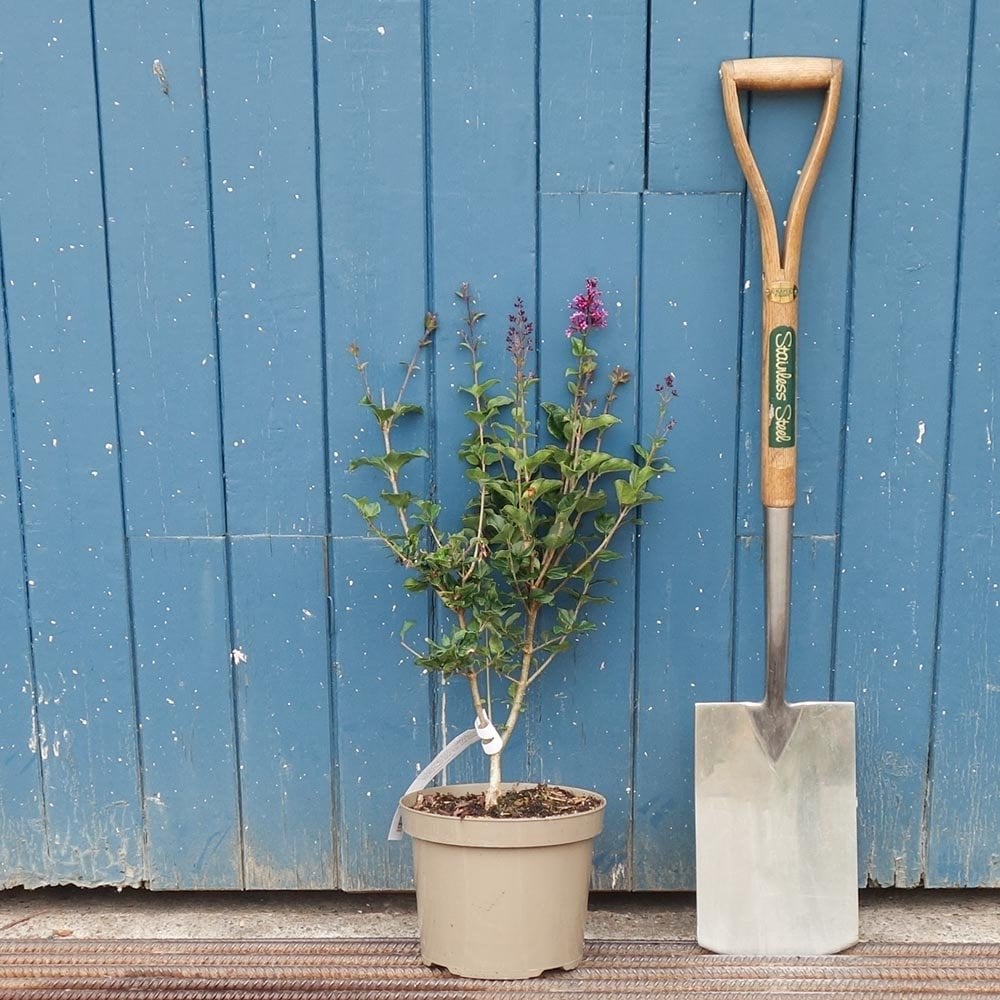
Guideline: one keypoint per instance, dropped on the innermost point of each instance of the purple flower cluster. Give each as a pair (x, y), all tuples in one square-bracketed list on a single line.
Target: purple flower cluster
[(668, 385), (520, 333), (587, 311), (667, 390)]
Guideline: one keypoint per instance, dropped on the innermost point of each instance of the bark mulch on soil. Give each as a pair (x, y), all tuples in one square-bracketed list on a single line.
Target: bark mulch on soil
[(532, 802)]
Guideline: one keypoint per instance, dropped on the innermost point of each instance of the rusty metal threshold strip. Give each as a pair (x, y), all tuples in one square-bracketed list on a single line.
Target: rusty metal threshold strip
[(391, 970)]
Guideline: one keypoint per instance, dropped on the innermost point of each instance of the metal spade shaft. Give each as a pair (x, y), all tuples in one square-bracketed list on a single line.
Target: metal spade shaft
[(774, 719)]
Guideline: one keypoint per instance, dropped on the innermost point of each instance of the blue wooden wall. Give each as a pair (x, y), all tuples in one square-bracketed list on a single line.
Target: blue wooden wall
[(203, 202)]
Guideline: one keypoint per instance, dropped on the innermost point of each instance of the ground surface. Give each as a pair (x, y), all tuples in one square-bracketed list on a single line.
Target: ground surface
[(886, 915)]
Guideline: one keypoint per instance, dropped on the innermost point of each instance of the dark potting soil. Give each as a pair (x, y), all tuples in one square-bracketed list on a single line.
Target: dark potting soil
[(531, 802)]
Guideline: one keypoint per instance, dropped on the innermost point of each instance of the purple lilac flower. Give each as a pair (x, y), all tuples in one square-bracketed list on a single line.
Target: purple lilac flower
[(520, 332), (587, 310), (668, 385)]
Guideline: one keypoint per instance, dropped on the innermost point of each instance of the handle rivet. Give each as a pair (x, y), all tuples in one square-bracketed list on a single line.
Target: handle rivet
[(782, 291)]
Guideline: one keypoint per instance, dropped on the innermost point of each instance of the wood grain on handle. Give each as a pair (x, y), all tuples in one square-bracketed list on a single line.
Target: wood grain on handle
[(779, 293), (782, 72)]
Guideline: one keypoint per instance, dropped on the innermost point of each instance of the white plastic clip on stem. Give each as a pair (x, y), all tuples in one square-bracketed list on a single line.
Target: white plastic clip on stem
[(492, 740)]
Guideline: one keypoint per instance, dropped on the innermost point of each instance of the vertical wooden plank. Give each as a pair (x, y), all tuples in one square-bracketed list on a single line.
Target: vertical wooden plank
[(283, 707), (22, 804), (906, 235), (383, 738), (159, 236), (260, 111), (592, 111), (690, 326), (592, 96), (781, 127), (483, 108), (964, 811), (579, 725), (371, 80), (370, 73), (60, 338), (186, 713), (688, 145), (483, 152)]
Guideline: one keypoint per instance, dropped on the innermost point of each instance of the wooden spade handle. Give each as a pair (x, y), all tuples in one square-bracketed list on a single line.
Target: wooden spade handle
[(779, 332), (783, 72)]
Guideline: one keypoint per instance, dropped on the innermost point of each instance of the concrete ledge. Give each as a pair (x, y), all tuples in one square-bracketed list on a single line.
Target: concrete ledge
[(932, 915)]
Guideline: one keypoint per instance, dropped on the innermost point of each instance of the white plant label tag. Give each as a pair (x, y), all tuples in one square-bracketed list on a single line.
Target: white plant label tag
[(492, 743), (457, 746)]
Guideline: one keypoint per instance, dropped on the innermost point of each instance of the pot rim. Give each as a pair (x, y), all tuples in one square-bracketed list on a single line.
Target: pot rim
[(496, 831)]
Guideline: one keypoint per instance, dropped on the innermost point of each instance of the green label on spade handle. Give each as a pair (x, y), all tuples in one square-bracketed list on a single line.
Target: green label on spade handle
[(781, 387)]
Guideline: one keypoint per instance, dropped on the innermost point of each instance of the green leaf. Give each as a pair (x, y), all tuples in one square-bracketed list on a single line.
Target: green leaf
[(427, 511), (604, 523), (476, 390), (502, 489), (641, 476), (520, 547), (395, 460), (414, 584), (566, 619), (557, 421), (389, 414), (400, 501), (600, 422), (596, 501), (382, 413), (567, 504), (561, 534), (501, 528), (407, 625), (549, 455), (541, 487), (368, 509), (628, 495), (369, 461), (516, 516), (496, 402), (405, 409), (614, 464)]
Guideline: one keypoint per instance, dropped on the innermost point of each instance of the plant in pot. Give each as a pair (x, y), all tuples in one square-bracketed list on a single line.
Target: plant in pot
[(513, 575)]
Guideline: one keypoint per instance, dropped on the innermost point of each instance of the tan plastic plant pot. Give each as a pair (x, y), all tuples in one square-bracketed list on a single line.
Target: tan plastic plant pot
[(501, 898)]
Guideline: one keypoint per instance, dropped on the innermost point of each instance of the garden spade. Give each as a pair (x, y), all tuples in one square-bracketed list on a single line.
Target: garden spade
[(775, 797)]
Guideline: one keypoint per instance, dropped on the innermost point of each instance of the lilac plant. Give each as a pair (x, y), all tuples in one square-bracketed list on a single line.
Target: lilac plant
[(516, 579), (587, 311)]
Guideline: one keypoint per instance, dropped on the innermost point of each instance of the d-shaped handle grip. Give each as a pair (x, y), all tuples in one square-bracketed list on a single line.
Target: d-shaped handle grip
[(780, 263), (782, 72)]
